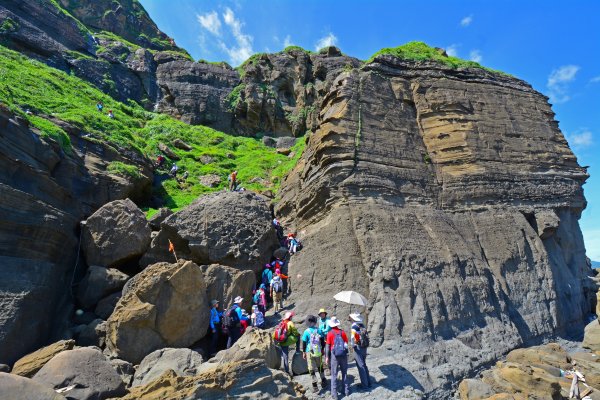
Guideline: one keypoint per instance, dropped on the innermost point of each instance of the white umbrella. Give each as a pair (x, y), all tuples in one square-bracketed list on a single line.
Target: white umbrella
[(351, 297)]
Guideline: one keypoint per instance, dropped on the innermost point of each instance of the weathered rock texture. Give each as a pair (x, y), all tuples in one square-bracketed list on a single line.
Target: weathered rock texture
[(93, 375), (533, 373), (99, 282), (225, 284), (228, 228), (32, 363), (249, 379), (254, 344), (163, 306), (45, 193), (16, 387), (450, 198), (116, 233), (184, 362)]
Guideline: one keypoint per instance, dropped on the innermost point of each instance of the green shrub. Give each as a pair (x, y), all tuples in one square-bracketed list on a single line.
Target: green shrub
[(51, 130), (235, 96), (126, 170), (8, 25)]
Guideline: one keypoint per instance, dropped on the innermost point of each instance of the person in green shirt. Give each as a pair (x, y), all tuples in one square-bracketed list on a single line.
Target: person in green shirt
[(291, 338), (312, 352)]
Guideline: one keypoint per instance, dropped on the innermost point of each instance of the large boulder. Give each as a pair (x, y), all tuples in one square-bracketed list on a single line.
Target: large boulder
[(116, 233), (249, 379), (14, 387), (591, 336), (32, 363), (93, 334), (228, 228), (107, 305), (163, 306), (184, 362), (254, 344), (157, 219), (226, 283), (88, 369), (98, 283)]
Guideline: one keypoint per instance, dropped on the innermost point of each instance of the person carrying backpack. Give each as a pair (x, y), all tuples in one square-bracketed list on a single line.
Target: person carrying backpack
[(312, 352), (232, 322), (324, 328), (336, 345), (284, 336), (233, 181), (260, 298), (215, 325), (258, 318), (277, 291), (359, 339), (266, 277)]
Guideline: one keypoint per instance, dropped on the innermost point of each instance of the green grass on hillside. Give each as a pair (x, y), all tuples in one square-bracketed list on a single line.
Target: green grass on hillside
[(419, 51), (48, 93)]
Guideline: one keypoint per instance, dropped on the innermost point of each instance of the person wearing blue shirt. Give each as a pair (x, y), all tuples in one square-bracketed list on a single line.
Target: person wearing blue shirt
[(215, 325), (312, 352)]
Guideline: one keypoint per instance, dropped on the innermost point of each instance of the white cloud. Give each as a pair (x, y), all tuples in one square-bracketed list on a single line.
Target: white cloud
[(452, 50), (329, 40), (287, 41), (475, 55), (242, 49), (558, 83), (581, 138), (466, 21), (595, 79), (210, 21)]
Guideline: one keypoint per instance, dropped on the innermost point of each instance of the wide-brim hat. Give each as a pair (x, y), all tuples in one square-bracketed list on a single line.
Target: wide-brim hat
[(238, 300), (356, 317), (334, 322), (322, 311)]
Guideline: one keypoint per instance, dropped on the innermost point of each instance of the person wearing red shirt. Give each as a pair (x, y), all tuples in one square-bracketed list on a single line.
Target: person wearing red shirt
[(336, 345)]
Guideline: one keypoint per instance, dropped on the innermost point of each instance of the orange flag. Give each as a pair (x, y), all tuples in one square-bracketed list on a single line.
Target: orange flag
[(171, 247)]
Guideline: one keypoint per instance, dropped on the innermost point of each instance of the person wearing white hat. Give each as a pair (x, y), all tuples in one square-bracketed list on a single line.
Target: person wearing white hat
[(336, 348), (359, 339), (232, 321)]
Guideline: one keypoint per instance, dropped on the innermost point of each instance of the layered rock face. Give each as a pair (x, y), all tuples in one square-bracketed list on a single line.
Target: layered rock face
[(451, 199), (45, 193)]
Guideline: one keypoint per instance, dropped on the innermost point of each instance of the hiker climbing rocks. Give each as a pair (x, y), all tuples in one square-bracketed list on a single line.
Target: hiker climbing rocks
[(266, 277), (359, 339), (110, 114), (312, 351), (336, 346), (160, 160), (258, 317), (100, 106), (215, 325), (245, 321), (173, 171), (260, 298), (293, 243), (279, 230), (277, 290), (233, 181), (284, 336), (232, 322), (324, 328)]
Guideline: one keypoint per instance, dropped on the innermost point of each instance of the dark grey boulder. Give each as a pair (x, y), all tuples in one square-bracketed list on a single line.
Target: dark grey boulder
[(99, 282)]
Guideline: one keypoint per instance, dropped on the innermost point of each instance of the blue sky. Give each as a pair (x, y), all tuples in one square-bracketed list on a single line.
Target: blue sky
[(554, 45)]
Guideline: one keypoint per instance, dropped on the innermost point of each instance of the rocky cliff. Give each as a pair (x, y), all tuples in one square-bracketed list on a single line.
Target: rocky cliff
[(451, 198), (446, 195)]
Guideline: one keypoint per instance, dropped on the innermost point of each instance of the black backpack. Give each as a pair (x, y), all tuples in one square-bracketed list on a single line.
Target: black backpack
[(231, 319), (364, 336)]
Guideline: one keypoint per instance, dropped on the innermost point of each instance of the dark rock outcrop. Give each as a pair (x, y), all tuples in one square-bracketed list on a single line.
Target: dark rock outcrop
[(116, 233), (228, 228), (45, 193), (99, 282), (428, 189)]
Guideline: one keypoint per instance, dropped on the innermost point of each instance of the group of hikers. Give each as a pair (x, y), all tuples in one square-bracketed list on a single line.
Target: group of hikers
[(323, 344), (100, 107)]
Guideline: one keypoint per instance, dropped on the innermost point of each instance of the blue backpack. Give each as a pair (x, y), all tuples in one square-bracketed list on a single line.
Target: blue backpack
[(339, 346)]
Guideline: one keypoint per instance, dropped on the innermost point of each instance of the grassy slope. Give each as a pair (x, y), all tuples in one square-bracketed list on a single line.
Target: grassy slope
[(26, 84), (419, 51)]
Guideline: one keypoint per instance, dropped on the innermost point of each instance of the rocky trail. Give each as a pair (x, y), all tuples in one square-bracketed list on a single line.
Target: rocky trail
[(441, 190)]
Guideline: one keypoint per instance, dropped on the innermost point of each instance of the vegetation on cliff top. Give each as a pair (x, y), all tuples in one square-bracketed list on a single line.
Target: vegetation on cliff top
[(420, 51), (51, 95)]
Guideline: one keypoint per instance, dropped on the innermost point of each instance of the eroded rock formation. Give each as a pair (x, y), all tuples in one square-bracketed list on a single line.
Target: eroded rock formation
[(445, 196)]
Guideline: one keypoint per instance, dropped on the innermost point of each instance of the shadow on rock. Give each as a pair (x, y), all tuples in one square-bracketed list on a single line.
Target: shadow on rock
[(398, 378)]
